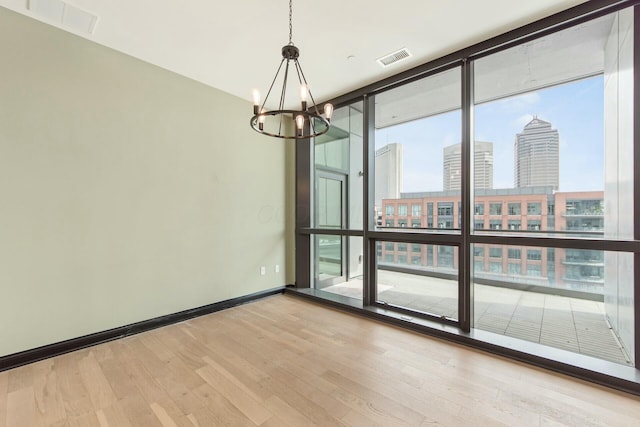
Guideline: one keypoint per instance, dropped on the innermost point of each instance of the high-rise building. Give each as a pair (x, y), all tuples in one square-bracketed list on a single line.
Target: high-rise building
[(482, 166), (388, 179), (536, 151)]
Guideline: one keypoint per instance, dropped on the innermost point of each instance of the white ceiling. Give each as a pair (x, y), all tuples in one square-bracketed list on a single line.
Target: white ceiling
[(235, 45)]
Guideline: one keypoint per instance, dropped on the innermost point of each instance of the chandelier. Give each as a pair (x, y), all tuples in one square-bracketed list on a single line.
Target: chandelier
[(308, 120)]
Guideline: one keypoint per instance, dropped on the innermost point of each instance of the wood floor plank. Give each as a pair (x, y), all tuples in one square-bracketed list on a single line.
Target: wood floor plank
[(4, 384), (21, 410), (222, 410), (49, 405), (113, 416), (71, 387), (100, 391), (282, 361), (239, 395)]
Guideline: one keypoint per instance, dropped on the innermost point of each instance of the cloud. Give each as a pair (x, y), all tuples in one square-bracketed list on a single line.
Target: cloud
[(521, 121), (522, 102)]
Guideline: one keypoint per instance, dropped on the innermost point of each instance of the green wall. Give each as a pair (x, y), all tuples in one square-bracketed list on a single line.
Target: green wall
[(126, 191)]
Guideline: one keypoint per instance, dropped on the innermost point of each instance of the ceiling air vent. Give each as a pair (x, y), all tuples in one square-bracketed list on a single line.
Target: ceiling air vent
[(61, 13), (394, 57)]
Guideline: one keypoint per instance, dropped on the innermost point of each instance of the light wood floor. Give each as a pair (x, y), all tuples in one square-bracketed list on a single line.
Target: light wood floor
[(282, 361)]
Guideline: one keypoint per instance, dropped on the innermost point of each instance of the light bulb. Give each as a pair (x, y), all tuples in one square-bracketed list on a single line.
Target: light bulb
[(256, 101), (300, 123), (328, 111), (303, 96), (261, 119)]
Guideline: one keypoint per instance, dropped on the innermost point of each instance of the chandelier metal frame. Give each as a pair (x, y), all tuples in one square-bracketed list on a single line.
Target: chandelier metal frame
[(305, 119)]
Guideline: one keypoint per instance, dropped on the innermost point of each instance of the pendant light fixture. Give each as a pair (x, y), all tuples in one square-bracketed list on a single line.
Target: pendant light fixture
[(308, 122)]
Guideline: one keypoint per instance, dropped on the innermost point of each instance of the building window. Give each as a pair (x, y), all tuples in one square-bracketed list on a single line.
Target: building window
[(430, 208), (513, 253), (514, 208), (534, 208), (534, 254), (388, 246), (389, 223), (478, 250), (478, 266), (534, 270), (415, 223), (416, 260), (551, 208), (534, 224), (445, 209), (415, 247), (388, 258), (495, 224), (495, 252), (478, 225), (416, 210), (402, 223), (389, 210), (495, 209), (478, 209), (514, 268), (514, 224), (402, 247), (402, 210), (495, 267)]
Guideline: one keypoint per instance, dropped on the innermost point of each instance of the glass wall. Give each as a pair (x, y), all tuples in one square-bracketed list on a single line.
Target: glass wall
[(556, 115), (417, 153), (501, 194), (338, 204), (418, 277)]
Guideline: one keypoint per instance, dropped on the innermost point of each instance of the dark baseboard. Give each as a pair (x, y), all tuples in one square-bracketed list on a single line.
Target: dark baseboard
[(29, 356)]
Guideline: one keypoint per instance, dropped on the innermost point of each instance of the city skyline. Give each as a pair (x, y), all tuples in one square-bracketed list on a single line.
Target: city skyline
[(575, 109), (536, 155), (482, 166)]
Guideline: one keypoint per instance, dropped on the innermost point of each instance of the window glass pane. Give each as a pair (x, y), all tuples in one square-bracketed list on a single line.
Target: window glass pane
[(558, 114), (338, 265), (412, 122), (534, 208), (513, 208), (426, 280), (339, 152), (495, 208), (558, 297)]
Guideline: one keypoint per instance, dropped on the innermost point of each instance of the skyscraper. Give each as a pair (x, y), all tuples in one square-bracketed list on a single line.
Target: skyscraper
[(388, 180), (482, 166), (537, 158)]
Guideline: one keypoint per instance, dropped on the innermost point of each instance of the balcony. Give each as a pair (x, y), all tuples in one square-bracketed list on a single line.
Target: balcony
[(576, 324)]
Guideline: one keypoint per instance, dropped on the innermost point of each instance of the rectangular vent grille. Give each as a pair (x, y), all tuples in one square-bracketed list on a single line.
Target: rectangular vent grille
[(394, 57), (61, 13)]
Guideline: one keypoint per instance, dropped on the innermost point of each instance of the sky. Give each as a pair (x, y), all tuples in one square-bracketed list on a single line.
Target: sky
[(575, 109)]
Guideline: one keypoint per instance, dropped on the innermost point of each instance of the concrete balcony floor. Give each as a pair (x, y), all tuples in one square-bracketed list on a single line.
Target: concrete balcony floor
[(566, 323)]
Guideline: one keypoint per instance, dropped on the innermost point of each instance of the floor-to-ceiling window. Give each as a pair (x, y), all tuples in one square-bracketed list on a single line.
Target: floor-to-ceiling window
[(556, 115), (492, 192), (337, 205), (418, 176)]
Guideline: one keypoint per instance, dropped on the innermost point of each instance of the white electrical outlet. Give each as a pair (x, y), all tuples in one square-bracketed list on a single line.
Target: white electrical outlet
[(263, 270), (277, 268)]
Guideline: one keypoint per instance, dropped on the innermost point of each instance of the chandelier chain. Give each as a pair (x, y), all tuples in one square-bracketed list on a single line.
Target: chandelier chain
[(290, 21)]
